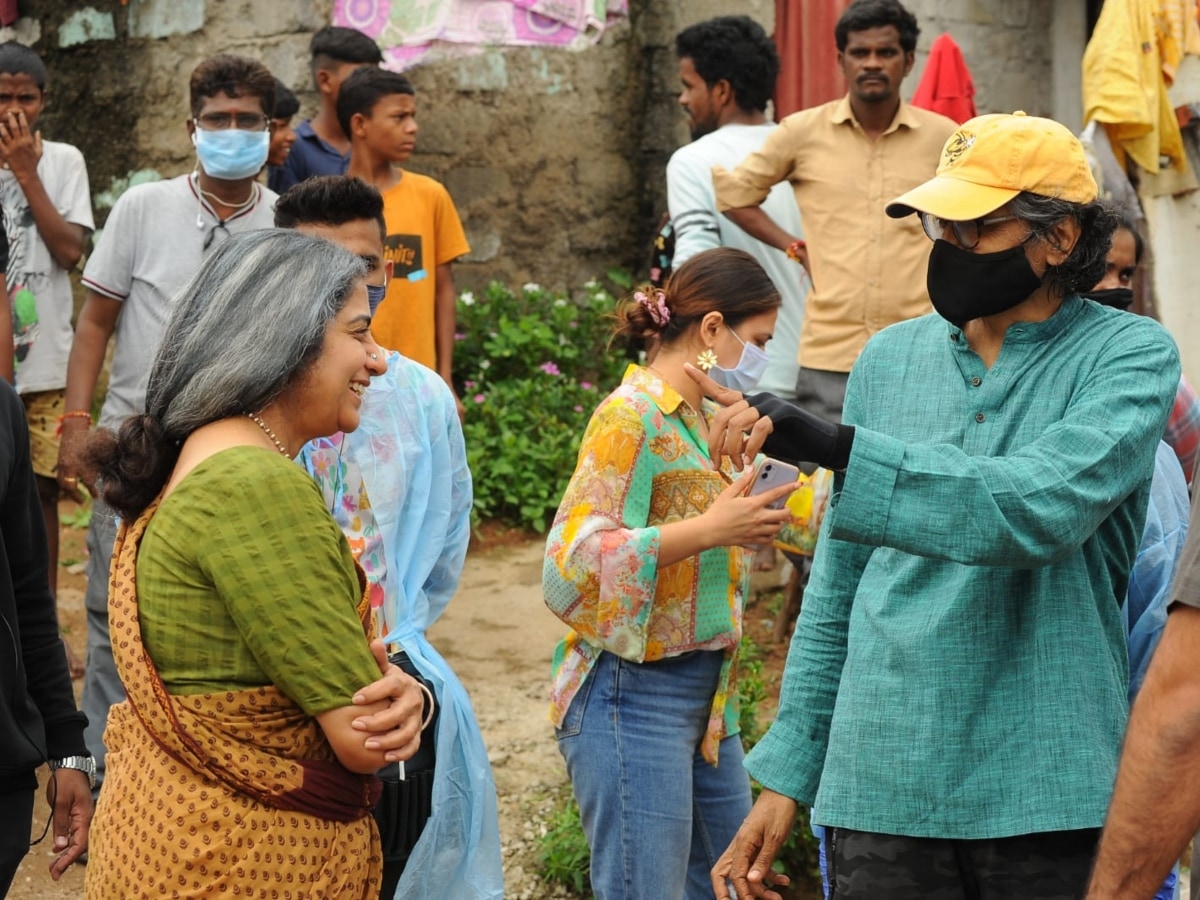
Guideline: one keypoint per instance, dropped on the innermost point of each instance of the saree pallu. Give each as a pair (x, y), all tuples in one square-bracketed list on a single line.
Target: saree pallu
[(229, 794)]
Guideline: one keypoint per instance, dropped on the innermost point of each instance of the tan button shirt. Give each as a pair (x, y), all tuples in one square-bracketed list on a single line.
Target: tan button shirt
[(868, 270)]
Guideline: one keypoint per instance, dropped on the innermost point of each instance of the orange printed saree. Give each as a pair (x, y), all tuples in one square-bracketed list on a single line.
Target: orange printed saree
[(235, 793)]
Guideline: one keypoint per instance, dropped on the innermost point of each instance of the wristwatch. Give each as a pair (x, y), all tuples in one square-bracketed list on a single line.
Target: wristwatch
[(84, 764)]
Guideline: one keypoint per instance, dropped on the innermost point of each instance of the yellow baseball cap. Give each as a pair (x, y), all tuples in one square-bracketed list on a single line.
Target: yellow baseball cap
[(991, 159)]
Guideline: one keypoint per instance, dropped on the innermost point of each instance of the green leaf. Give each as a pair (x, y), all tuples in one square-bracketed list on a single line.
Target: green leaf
[(620, 277)]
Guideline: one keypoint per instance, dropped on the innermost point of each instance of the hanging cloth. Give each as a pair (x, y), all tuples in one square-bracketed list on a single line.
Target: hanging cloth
[(946, 86), (1127, 68), (809, 74)]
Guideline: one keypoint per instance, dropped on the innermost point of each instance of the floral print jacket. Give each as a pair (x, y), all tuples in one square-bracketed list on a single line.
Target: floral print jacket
[(642, 465)]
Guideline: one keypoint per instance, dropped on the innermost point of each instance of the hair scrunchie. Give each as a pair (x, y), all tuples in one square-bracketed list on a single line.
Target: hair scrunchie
[(656, 304)]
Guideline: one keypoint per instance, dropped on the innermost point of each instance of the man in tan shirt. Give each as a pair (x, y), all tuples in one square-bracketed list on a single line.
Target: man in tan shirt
[(845, 159)]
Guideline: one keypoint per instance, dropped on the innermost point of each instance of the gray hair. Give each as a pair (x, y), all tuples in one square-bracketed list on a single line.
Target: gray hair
[(250, 321), (1084, 266)]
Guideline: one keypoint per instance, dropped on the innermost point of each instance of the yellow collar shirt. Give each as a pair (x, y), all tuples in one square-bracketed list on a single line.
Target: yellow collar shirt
[(868, 270)]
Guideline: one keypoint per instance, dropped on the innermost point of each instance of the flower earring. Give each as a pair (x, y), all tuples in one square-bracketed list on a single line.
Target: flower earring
[(706, 360)]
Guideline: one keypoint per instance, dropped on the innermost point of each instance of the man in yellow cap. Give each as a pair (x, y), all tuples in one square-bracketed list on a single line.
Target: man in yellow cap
[(955, 695)]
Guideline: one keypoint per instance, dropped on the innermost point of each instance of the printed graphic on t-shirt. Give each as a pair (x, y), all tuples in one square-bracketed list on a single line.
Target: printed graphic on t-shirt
[(22, 276), (407, 258)]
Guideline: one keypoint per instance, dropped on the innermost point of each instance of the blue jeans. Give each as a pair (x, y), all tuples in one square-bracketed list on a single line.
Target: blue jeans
[(655, 813)]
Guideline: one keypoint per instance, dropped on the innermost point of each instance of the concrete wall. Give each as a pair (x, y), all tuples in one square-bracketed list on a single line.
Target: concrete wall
[(555, 158), (1006, 44)]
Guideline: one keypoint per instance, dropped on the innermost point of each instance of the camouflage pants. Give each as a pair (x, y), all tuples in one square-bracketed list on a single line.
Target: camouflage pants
[(1052, 865)]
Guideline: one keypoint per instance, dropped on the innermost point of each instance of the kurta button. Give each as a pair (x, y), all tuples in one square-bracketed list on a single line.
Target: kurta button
[(954, 337), (979, 417), (976, 381)]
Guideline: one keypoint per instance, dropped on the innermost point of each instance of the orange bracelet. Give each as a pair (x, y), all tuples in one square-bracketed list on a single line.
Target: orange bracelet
[(72, 414), (793, 250)]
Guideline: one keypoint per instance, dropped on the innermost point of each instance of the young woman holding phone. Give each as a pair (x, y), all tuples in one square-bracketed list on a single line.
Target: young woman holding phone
[(646, 562)]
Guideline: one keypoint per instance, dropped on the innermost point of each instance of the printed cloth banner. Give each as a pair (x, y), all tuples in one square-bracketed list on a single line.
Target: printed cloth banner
[(413, 31)]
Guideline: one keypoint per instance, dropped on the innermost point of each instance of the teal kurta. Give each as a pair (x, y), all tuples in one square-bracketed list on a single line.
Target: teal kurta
[(959, 666)]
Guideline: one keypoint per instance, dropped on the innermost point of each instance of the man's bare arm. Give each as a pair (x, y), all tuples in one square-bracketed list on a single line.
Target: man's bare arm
[(1156, 805), (97, 321)]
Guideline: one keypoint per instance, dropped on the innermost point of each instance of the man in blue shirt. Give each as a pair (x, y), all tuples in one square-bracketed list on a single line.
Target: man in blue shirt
[(321, 147), (1156, 804)]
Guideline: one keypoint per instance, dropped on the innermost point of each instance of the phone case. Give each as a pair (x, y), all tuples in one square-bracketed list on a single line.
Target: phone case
[(773, 473)]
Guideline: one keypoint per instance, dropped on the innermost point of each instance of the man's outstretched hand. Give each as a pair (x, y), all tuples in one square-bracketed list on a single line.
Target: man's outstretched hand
[(747, 861)]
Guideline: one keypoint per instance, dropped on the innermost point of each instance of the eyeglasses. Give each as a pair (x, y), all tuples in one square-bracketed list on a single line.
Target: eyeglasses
[(242, 121), (966, 234)]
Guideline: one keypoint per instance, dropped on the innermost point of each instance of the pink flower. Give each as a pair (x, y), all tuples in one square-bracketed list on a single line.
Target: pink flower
[(479, 398), (459, 336), (549, 368), (578, 409), (469, 385), (586, 385)]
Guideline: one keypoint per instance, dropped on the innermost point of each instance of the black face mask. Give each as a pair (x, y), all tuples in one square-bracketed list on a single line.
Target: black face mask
[(965, 286), (1117, 298)]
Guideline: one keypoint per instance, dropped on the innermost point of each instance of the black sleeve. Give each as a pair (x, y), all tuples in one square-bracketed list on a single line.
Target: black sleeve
[(800, 436), (23, 532)]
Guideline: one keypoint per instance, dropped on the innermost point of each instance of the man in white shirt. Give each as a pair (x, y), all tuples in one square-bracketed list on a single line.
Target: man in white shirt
[(728, 66)]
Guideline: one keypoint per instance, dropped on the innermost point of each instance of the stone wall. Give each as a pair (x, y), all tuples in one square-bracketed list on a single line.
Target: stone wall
[(1006, 44), (555, 158)]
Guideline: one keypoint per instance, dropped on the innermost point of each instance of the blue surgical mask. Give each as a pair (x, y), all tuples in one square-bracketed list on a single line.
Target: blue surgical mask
[(231, 153), (375, 295), (748, 372)]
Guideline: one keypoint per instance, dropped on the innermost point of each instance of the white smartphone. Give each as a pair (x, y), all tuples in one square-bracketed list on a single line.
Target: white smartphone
[(772, 473)]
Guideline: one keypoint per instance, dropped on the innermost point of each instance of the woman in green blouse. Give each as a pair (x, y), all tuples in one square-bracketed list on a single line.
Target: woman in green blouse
[(241, 762)]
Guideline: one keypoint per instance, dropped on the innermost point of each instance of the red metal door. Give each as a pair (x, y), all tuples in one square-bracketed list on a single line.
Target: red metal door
[(809, 73)]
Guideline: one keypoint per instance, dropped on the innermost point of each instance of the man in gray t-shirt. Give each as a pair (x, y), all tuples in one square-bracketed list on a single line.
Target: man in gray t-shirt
[(1156, 805), (156, 238)]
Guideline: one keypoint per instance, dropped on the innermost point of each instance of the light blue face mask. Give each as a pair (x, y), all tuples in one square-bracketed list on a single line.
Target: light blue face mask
[(748, 372), (231, 153), (375, 295)]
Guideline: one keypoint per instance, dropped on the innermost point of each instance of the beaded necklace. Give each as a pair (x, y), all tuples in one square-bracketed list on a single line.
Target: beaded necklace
[(253, 417)]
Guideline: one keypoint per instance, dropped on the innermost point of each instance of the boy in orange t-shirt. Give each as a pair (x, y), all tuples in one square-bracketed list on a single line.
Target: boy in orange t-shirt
[(378, 109)]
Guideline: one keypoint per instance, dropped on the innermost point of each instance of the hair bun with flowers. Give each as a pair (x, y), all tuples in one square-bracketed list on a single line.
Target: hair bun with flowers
[(655, 302)]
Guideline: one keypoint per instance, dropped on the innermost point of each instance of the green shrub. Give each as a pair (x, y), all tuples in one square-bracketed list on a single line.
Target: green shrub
[(752, 690), (798, 855), (530, 366), (563, 850)]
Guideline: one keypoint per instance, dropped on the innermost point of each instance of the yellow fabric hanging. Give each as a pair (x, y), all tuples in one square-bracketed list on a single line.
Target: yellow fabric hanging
[(1127, 67)]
